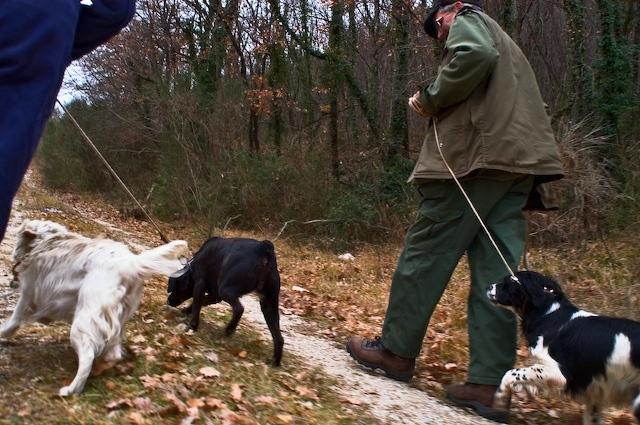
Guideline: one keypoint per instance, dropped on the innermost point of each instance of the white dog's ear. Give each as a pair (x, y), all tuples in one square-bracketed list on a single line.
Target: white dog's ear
[(29, 231)]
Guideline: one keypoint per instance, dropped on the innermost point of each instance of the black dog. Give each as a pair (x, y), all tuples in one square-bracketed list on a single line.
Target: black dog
[(595, 359), (224, 270)]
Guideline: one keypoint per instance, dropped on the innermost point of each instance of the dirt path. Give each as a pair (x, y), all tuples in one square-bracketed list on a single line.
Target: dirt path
[(389, 401)]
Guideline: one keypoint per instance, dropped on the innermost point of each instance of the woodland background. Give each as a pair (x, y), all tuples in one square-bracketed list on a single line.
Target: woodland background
[(257, 113)]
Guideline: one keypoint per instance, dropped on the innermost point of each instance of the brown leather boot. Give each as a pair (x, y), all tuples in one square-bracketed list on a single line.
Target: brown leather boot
[(478, 397), (372, 354)]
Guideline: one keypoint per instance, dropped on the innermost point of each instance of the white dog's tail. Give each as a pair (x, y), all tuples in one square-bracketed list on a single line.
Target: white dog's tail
[(161, 260)]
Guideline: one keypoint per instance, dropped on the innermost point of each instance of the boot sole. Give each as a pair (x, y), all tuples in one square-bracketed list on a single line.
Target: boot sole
[(398, 376), (495, 415)]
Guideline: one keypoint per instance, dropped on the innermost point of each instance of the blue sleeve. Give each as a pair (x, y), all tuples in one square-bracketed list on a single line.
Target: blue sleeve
[(99, 22)]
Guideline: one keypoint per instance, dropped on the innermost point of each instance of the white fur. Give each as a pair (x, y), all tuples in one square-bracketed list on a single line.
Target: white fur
[(581, 313), (622, 380), (94, 284), (544, 375), (554, 307)]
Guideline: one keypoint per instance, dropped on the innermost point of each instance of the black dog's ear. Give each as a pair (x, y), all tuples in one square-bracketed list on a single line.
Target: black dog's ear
[(181, 272), (172, 285)]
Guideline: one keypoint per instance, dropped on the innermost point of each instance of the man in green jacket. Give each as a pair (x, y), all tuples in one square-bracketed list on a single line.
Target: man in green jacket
[(496, 136)]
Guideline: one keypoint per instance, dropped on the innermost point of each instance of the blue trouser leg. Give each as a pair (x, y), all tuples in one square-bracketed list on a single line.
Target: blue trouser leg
[(36, 38)]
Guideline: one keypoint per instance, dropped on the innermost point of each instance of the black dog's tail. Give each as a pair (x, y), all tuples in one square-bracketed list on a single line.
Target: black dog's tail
[(272, 277)]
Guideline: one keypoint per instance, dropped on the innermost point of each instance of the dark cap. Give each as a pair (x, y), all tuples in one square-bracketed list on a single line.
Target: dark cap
[(430, 24)]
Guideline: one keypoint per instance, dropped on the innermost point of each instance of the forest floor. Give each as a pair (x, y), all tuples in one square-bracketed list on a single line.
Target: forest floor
[(170, 376)]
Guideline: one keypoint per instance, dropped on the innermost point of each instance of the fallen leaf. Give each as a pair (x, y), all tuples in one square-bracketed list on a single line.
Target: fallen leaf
[(209, 372), (138, 339), (193, 412), (143, 403), (307, 392), (178, 341), (188, 420), (285, 419), (236, 392), (450, 366), (232, 418), (195, 402), (136, 418), (242, 354), (211, 356), (265, 399), (149, 381), (214, 403), (176, 402), (172, 366), (352, 400), (169, 377), (110, 385), (119, 404)]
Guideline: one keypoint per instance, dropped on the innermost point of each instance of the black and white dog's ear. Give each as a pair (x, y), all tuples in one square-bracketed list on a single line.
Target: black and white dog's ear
[(542, 290), (172, 285)]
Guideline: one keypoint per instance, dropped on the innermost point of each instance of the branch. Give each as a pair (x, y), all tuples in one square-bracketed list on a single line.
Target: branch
[(275, 6), (304, 222)]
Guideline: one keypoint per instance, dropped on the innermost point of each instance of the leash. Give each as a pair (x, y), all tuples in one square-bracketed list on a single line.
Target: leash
[(495, 245), (112, 171)]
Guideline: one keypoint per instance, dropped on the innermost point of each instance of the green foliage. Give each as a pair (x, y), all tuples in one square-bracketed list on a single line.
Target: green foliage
[(66, 161), (614, 73), (626, 211)]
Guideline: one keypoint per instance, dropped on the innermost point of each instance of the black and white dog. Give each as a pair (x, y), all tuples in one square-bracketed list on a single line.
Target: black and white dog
[(595, 359), (225, 270)]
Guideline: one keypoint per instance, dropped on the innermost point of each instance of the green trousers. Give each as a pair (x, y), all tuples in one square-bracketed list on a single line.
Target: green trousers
[(444, 230)]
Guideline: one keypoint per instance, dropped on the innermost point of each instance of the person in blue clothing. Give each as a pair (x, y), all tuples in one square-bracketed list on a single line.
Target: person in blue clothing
[(38, 40)]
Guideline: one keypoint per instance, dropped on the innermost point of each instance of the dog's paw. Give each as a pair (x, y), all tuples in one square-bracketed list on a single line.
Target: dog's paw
[(66, 391), (531, 390), (181, 328)]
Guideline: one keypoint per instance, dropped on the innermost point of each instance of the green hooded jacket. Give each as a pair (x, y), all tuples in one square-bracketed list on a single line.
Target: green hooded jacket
[(487, 107)]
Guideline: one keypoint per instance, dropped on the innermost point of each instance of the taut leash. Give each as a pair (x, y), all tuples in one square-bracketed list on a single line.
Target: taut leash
[(112, 171), (473, 208)]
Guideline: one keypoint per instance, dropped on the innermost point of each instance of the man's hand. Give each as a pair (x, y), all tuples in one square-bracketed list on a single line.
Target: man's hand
[(414, 103)]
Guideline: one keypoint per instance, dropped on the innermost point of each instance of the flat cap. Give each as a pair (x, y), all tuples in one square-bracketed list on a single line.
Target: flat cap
[(430, 24)]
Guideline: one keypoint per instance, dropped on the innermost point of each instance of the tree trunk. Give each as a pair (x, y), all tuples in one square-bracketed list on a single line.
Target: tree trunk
[(398, 131)]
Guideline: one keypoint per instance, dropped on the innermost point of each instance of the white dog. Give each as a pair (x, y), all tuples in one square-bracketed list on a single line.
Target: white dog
[(94, 284)]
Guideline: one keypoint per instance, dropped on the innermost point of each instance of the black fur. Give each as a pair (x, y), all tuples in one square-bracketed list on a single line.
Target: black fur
[(581, 346), (225, 270)]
